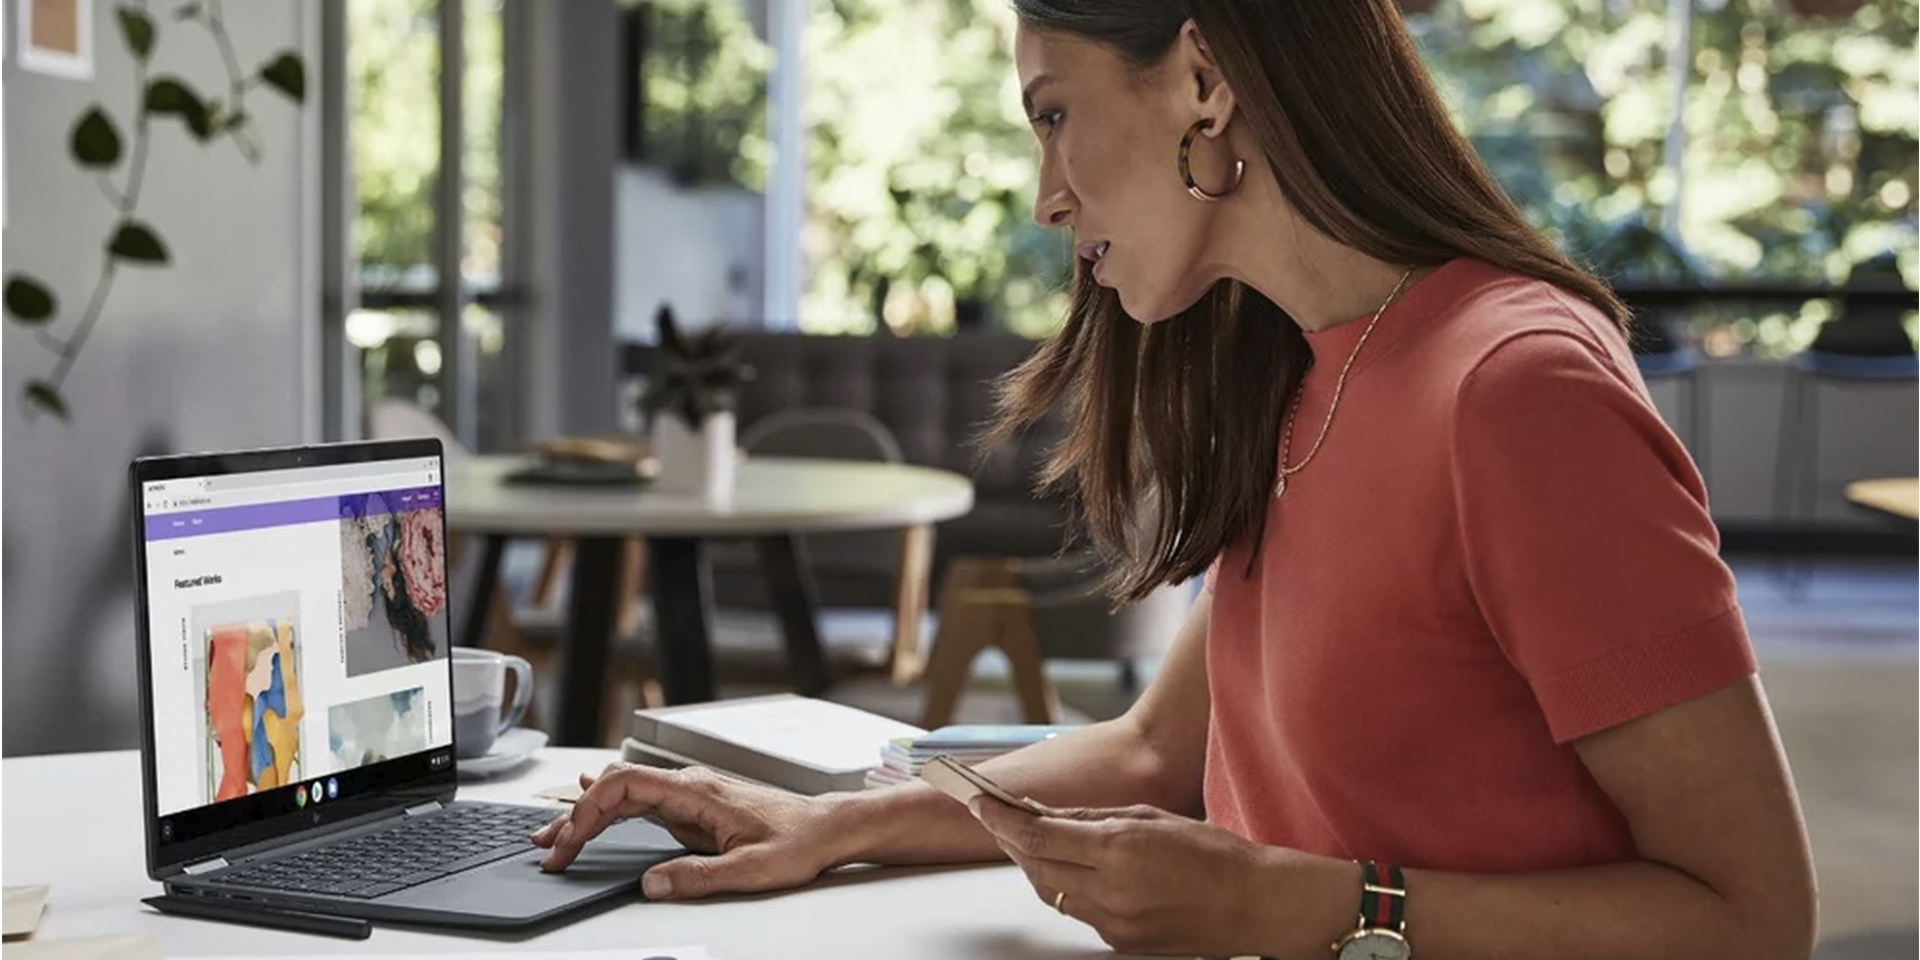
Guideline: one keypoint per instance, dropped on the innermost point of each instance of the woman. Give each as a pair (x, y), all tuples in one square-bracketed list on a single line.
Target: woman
[(1468, 679)]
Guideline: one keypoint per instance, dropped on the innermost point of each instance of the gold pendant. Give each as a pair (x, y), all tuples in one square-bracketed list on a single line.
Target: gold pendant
[(1280, 486)]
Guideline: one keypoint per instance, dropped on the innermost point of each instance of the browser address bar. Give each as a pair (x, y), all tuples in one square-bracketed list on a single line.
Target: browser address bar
[(303, 490), (305, 475)]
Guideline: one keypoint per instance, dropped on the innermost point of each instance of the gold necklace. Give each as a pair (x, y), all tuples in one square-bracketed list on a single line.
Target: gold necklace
[(1286, 433)]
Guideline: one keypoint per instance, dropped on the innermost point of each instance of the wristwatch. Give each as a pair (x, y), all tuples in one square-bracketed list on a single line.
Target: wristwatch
[(1382, 933)]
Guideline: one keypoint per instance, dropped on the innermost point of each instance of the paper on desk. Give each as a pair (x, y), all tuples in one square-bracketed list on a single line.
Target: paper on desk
[(564, 793), (628, 953), (129, 946), (20, 910)]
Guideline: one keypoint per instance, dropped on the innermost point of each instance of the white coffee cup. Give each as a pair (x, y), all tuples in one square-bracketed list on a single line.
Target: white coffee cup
[(479, 690)]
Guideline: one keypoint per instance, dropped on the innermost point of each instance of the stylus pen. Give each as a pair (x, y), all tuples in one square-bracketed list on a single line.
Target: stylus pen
[(349, 928)]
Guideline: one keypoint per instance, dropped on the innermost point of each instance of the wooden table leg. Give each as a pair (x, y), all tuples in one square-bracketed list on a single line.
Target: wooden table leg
[(910, 603), (590, 621), (473, 632), (792, 595), (682, 612), (633, 583)]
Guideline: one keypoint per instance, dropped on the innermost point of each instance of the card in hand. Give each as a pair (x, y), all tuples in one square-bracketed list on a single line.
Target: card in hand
[(963, 783)]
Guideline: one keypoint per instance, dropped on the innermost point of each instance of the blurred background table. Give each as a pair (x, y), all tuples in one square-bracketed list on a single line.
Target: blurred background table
[(775, 500), (1899, 496)]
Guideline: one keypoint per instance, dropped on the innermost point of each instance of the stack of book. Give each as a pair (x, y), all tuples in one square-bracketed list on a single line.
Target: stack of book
[(902, 757)]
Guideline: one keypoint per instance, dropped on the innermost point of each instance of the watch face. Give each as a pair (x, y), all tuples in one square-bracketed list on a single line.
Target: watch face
[(1376, 945)]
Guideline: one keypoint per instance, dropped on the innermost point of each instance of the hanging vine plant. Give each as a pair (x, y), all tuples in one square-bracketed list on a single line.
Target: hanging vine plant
[(98, 146)]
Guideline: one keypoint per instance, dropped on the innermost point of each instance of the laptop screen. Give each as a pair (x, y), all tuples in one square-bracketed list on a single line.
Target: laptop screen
[(297, 635)]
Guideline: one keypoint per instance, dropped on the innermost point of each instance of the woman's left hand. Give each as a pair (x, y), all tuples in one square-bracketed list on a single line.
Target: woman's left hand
[(1149, 881)]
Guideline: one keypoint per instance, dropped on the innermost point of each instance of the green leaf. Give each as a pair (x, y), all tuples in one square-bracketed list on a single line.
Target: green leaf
[(46, 397), (29, 300), (171, 95), (95, 142), (287, 74), (670, 340), (200, 120), (135, 242), (137, 28)]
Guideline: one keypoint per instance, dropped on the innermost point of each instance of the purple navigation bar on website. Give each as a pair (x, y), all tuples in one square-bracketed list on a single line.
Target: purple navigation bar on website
[(255, 516), (388, 501)]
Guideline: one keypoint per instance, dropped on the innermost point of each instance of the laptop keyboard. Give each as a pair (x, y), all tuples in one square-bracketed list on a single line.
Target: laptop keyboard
[(412, 852)]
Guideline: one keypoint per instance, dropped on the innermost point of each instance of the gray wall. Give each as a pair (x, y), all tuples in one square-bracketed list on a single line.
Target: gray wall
[(563, 78), (700, 250), (210, 352)]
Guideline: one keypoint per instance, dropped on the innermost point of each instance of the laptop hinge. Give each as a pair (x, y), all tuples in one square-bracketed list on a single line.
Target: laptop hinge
[(428, 807), (205, 866)]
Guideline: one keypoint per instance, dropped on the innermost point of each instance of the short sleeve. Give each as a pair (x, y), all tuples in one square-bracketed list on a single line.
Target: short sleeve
[(1588, 543)]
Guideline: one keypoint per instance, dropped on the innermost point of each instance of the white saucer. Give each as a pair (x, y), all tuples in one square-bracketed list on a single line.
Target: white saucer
[(510, 750)]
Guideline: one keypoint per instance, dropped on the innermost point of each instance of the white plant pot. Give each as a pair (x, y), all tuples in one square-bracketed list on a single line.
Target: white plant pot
[(697, 462)]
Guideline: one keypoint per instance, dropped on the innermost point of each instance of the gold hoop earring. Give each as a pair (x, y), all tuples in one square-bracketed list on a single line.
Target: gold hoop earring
[(1186, 167)]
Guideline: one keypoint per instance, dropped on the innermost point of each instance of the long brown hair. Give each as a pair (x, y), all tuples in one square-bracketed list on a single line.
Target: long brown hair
[(1173, 430)]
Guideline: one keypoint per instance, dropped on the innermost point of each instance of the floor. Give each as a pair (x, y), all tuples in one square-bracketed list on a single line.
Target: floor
[(1839, 645), (1838, 660)]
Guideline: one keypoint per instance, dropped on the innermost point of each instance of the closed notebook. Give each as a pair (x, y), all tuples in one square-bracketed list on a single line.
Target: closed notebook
[(654, 755), (805, 745), (903, 758), (985, 736), (967, 743)]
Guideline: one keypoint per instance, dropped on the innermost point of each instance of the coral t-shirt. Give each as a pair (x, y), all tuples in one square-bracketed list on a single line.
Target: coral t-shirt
[(1499, 549)]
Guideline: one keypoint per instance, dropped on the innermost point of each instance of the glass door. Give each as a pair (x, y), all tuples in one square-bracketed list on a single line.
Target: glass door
[(423, 89)]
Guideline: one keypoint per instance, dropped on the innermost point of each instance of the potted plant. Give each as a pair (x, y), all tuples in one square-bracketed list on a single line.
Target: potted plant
[(688, 405)]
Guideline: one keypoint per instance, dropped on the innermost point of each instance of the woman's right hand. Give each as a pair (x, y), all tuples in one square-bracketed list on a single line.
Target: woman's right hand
[(745, 838)]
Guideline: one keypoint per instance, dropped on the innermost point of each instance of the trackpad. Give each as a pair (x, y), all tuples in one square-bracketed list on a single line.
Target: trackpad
[(517, 887), (630, 846)]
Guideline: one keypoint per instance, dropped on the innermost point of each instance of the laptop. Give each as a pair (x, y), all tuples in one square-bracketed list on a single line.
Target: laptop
[(297, 735)]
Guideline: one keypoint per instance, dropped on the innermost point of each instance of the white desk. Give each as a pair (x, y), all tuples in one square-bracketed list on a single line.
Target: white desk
[(774, 499), (73, 821)]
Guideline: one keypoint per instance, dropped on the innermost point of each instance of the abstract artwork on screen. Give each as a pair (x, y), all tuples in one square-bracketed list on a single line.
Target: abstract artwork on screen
[(253, 706), (393, 584), (377, 729)]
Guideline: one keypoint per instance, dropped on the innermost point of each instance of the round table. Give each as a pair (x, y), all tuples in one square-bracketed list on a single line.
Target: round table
[(774, 499), (1898, 496)]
